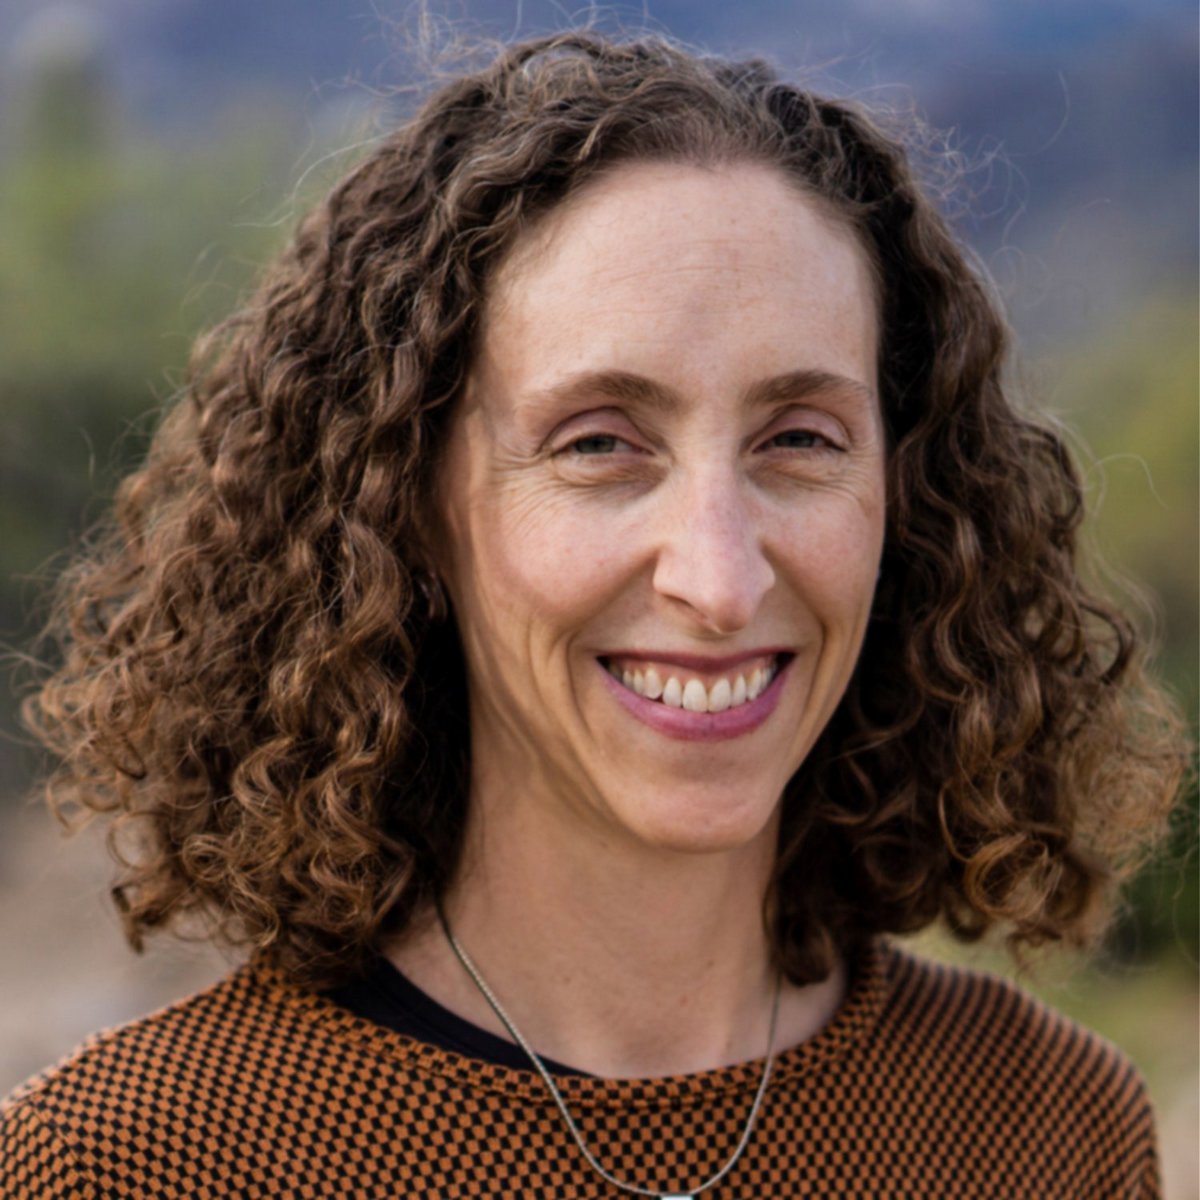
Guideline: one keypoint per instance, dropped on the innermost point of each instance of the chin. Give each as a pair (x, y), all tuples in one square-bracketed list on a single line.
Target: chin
[(701, 820)]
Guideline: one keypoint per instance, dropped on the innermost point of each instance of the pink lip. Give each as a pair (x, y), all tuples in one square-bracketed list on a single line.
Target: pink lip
[(699, 727)]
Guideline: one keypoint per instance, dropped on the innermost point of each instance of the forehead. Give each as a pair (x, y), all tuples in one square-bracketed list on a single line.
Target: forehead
[(685, 258)]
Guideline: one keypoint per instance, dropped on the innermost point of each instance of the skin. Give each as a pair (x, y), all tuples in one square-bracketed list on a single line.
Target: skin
[(670, 442)]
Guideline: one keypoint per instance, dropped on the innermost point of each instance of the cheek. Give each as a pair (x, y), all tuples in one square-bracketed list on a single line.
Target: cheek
[(832, 551), (538, 566)]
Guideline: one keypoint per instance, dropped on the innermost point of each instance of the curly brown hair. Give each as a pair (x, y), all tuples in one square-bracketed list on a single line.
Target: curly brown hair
[(262, 681)]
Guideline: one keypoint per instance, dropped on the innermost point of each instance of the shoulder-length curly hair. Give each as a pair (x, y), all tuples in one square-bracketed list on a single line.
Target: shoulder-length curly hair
[(261, 678)]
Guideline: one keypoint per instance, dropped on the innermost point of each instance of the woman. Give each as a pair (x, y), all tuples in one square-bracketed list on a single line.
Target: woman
[(596, 589)]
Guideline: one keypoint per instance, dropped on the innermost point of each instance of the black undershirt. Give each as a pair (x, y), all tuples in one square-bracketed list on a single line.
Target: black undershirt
[(387, 998)]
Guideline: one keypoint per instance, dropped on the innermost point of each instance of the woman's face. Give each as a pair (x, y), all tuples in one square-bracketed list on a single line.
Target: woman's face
[(664, 500)]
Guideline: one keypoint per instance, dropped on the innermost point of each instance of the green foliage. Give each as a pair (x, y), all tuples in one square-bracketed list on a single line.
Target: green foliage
[(117, 250), (1133, 393)]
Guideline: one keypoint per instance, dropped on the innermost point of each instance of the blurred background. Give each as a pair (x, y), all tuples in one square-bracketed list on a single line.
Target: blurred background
[(153, 156)]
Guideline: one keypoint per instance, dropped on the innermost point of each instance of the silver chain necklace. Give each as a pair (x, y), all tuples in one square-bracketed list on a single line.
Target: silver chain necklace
[(490, 997)]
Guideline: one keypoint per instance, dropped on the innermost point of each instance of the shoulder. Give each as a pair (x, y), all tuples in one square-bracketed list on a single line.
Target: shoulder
[(995, 1062), (130, 1100), (949, 1013), (166, 1047)]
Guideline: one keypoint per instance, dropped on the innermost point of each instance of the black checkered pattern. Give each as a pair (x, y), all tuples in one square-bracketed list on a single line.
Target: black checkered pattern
[(930, 1081)]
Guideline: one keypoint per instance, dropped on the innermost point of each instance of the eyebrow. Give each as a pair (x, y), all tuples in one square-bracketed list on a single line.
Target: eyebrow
[(629, 388)]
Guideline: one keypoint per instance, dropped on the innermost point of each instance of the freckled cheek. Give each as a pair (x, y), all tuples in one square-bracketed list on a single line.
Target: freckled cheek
[(550, 571), (833, 559)]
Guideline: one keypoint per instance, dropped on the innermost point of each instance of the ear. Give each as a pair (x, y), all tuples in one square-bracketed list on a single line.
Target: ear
[(440, 521), (431, 548), (431, 594)]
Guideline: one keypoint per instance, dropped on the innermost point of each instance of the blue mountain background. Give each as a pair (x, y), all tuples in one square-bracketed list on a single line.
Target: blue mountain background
[(1080, 117)]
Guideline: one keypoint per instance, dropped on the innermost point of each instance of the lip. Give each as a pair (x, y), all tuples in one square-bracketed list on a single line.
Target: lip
[(687, 726)]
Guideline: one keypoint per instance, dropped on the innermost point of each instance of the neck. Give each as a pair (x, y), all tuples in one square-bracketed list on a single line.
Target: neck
[(620, 961)]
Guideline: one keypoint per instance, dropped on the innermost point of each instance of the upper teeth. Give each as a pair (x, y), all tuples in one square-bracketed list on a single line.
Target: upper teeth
[(691, 693)]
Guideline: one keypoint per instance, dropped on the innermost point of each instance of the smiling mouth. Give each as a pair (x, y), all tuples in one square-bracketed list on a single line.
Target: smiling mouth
[(698, 692)]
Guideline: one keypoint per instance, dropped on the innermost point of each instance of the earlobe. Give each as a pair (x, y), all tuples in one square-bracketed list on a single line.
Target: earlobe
[(428, 566), (431, 594)]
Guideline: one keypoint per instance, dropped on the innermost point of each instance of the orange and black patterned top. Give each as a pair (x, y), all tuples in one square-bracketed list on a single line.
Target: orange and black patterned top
[(930, 1081)]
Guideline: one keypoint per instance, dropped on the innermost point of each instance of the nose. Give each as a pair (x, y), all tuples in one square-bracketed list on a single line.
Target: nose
[(711, 558)]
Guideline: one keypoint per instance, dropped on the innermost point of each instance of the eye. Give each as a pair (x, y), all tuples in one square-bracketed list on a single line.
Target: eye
[(597, 444), (801, 439)]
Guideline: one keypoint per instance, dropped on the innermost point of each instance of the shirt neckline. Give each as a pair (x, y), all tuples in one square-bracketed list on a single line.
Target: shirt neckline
[(387, 997), (860, 1011)]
